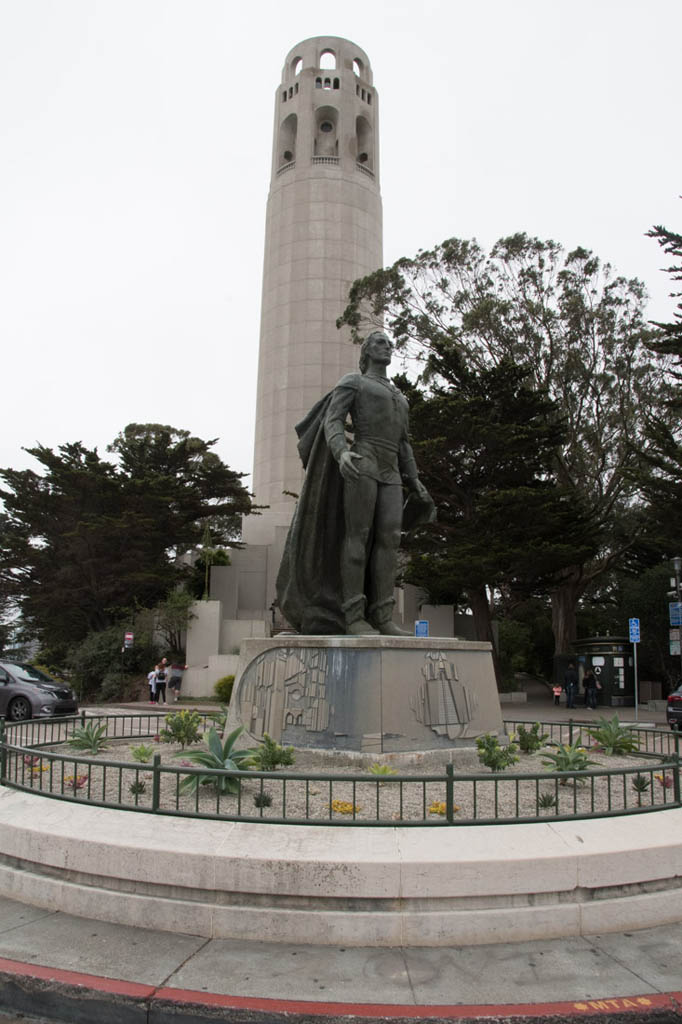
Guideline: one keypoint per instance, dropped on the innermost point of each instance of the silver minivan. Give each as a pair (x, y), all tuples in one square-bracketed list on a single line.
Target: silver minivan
[(26, 692)]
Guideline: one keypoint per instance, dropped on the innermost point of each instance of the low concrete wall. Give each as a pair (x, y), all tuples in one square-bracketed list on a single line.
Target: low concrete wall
[(199, 682), (349, 886)]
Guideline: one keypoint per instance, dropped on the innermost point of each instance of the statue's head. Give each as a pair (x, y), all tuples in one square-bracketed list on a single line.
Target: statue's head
[(368, 344)]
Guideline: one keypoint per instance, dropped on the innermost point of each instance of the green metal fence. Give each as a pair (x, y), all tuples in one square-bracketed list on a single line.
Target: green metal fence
[(29, 762)]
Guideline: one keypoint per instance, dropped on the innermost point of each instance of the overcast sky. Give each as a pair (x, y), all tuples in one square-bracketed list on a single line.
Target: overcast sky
[(135, 141)]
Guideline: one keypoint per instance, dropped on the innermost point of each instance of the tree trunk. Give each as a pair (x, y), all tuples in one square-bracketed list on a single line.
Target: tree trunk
[(564, 603), (483, 624)]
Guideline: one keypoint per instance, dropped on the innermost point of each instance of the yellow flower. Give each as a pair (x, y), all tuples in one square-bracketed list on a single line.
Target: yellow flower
[(344, 807), (439, 807)]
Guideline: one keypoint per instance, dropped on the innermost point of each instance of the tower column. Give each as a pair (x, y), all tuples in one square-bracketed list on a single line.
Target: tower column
[(323, 230)]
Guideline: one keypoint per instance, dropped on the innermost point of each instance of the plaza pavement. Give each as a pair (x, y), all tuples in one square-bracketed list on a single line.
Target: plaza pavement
[(72, 969)]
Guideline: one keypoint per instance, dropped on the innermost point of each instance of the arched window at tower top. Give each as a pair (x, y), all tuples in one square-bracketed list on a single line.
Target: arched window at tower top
[(297, 65), (358, 67), (328, 60)]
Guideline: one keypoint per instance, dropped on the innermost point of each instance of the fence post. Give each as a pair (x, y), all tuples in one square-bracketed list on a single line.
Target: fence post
[(156, 783), (449, 792), (570, 731), (676, 773), (3, 753), (82, 719)]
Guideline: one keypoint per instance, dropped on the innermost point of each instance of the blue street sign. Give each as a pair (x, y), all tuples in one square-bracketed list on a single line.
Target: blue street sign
[(634, 631), (421, 627), (675, 609)]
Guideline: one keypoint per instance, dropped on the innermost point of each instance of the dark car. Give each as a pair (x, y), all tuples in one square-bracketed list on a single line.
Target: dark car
[(26, 692), (673, 711)]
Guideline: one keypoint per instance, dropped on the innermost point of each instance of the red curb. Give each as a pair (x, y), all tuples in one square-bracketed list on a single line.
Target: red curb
[(668, 1001), (91, 981), (588, 1007)]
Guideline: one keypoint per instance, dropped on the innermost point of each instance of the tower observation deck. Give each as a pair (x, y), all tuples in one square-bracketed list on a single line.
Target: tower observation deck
[(323, 230)]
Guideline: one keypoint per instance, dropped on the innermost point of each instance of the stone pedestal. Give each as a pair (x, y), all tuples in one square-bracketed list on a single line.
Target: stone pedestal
[(366, 694)]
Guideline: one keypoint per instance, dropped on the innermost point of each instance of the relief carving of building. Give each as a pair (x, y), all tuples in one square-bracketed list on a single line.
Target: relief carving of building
[(442, 702)]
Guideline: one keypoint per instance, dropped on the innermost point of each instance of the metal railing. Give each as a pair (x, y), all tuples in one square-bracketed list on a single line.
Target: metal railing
[(437, 799), (664, 742)]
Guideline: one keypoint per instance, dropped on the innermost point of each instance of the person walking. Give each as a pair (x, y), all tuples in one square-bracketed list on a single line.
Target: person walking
[(151, 682), (160, 680), (175, 678), (590, 687), (570, 684)]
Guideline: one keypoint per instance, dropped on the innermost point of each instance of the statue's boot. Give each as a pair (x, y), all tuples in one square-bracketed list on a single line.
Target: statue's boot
[(379, 615), (356, 623)]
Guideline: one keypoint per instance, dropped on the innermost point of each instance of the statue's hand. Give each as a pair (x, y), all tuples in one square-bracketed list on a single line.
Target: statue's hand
[(348, 470), (418, 487), (419, 515)]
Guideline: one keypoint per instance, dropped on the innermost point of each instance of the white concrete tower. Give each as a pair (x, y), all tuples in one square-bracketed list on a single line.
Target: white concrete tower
[(323, 230)]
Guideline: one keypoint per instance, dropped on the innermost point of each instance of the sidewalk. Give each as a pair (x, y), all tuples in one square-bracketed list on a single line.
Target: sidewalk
[(76, 970), (540, 706)]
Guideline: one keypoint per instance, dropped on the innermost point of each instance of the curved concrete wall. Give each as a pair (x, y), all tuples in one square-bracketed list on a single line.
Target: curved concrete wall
[(349, 886)]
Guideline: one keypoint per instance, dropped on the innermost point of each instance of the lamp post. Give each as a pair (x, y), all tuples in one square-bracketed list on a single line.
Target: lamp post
[(677, 566)]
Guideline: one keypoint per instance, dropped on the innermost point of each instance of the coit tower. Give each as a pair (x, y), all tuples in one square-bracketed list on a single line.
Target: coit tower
[(323, 230)]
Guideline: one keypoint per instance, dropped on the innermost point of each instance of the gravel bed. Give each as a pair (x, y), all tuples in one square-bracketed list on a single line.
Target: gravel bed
[(409, 796)]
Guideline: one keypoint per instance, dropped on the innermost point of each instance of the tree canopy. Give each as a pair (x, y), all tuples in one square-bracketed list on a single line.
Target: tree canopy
[(670, 340), (485, 443), (581, 331), (86, 539)]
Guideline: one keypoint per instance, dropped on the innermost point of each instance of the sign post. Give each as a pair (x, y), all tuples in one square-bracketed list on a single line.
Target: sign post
[(675, 615), (634, 640)]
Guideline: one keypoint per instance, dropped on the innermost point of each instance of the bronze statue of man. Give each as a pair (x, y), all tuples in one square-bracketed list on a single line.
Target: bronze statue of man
[(339, 565)]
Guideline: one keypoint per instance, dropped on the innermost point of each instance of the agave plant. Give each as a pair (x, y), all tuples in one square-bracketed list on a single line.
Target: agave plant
[(613, 737), (90, 737), (568, 757), (217, 755)]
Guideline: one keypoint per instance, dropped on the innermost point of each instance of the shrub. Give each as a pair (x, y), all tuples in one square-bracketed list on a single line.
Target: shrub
[(223, 689), (114, 686), (269, 755), (530, 740), (138, 787), (182, 727), (382, 769), (495, 756), (262, 799), (142, 753), (89, 737), (569, 757), (220, 717), (99, 655), (218, 755), (546, 800), (613, 737)]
